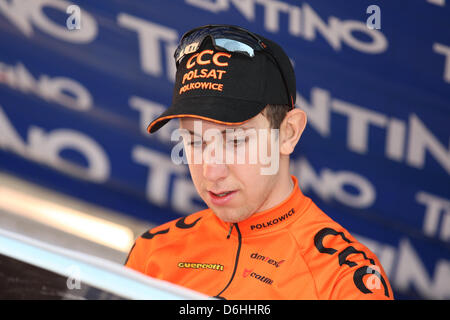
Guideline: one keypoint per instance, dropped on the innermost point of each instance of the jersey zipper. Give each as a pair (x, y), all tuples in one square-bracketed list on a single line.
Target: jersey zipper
[(238, 252)]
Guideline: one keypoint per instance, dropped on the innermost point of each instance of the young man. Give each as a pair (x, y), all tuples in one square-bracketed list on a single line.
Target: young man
[(260, 237)]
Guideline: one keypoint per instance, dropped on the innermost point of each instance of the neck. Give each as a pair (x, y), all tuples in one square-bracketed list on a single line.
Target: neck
[(283, 213), (281, 189)]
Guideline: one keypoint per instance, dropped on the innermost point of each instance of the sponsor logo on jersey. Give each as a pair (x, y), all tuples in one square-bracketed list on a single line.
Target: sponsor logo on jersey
[(263, 279), (273, 222), (267, 259), (374, 278), (200, 265)]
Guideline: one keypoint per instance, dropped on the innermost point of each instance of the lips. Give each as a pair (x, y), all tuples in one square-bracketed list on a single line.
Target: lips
[(221, 197), (221, 194)]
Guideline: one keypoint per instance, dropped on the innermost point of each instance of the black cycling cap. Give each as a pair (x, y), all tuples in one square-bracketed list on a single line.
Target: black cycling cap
[(227, 75)]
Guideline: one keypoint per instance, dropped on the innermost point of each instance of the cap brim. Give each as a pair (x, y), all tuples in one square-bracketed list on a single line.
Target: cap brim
[(227, 111)]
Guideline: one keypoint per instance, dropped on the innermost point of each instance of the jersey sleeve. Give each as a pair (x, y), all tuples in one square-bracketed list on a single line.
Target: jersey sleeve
[(345, 269), (361, 276), (139, 254)]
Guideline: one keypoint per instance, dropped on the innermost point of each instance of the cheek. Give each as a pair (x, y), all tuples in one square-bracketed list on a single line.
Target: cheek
[(260, 188), (196, 175), (251, 181)]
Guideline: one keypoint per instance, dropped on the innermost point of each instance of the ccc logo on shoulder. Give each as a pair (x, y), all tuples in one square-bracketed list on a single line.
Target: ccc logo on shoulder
[(181, 224), (342, 257)]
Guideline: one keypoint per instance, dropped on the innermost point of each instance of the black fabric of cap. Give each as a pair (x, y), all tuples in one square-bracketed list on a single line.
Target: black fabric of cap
[(231, 91)]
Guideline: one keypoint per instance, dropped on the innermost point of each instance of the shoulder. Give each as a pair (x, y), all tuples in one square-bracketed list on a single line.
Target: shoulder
[(342, 267), (177, 228), (164, 235)]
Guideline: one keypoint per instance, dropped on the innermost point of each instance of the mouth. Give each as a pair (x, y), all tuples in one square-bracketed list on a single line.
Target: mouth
[(222, 197), (220, 194)]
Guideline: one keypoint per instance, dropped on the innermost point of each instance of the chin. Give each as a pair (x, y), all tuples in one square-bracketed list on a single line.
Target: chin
[(229, 215), (224, 216), (226, 219)]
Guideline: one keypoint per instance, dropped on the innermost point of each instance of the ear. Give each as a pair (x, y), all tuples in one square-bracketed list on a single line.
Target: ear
[(291, 130)]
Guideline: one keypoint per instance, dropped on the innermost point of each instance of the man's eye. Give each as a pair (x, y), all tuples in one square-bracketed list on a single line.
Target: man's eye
[(196, 143), (237, 141)]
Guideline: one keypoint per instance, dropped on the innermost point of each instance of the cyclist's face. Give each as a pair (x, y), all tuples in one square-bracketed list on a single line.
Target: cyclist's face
[(235, 172)]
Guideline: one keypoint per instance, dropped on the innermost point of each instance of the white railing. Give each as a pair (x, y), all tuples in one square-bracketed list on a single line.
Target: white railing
[(100, 273)]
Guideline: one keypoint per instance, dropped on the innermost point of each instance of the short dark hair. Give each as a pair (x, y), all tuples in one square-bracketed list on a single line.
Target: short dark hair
[(275, 113)]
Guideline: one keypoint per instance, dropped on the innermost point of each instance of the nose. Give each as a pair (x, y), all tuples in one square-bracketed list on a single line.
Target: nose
[(214, 167), (214, 172)]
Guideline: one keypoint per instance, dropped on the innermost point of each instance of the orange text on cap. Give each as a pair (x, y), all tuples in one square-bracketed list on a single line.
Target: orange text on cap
[(201, 59)]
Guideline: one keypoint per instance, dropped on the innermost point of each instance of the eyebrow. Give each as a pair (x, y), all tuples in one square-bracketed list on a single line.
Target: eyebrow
[(222, 132)]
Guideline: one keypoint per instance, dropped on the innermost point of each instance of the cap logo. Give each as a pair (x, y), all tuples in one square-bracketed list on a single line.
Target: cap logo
[(198, 59), (205, 58), (192, 47)]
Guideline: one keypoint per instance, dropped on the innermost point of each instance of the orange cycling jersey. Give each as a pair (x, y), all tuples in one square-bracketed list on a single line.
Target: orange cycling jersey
[(291, 251)]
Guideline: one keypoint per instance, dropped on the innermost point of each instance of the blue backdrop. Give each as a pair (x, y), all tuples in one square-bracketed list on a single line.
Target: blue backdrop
[(74, 106)]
